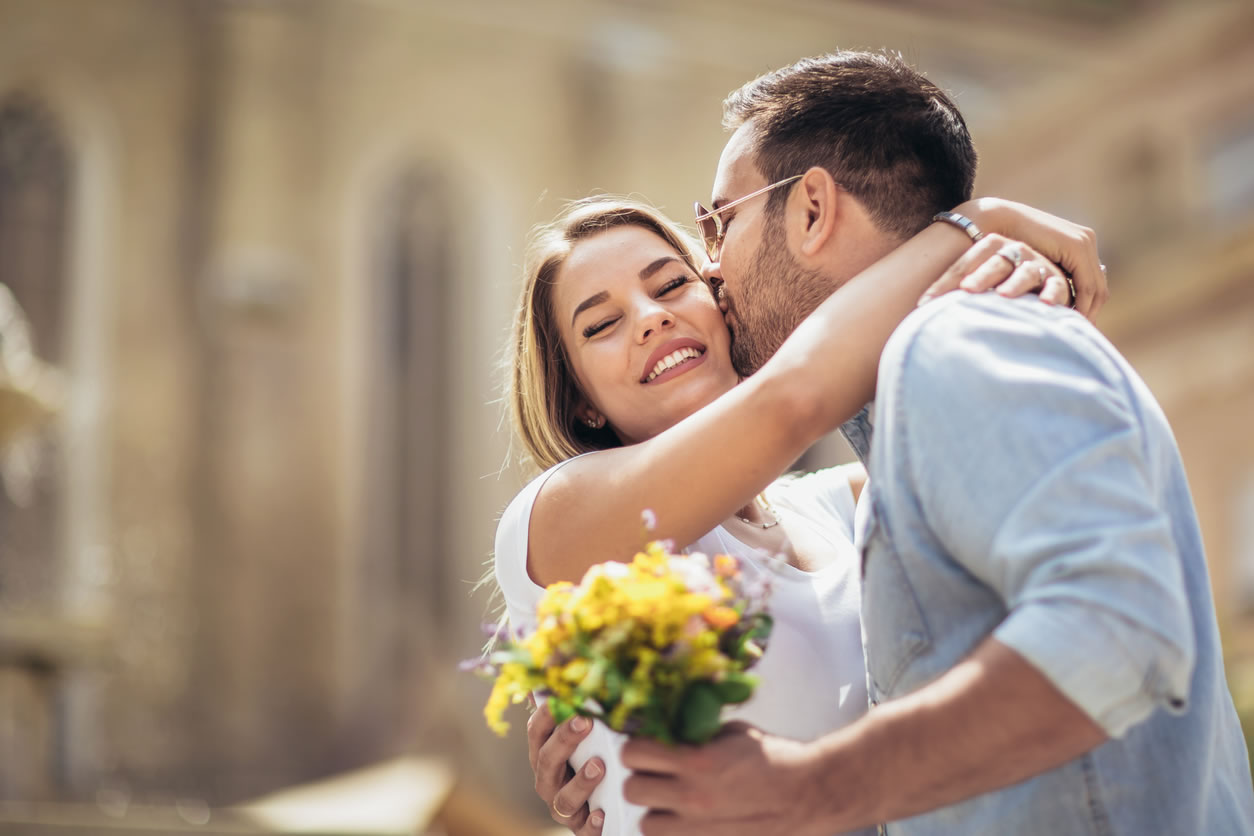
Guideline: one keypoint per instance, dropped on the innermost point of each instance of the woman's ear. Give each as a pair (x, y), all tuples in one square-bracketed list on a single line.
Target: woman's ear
[(589, 416), (818, 210)]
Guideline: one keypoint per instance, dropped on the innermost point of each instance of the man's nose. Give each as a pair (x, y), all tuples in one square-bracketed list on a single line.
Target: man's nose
[(713, 275)]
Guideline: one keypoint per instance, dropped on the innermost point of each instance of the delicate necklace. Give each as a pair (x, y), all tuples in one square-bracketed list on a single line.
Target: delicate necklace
[(766, 506)]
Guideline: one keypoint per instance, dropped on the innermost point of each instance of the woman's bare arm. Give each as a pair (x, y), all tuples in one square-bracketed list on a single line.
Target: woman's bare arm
[(698, 472)]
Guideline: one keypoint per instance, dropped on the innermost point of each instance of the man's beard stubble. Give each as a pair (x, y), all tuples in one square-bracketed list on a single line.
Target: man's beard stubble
[(775, 296)]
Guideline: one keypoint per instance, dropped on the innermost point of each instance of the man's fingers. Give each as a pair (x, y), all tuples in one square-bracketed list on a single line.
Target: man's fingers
[(575, 793), (551, 760), (662, 823), (650, 756), (658, 792)]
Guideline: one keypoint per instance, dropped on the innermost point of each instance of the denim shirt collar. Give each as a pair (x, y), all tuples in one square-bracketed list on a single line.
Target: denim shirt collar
[(857, 431)]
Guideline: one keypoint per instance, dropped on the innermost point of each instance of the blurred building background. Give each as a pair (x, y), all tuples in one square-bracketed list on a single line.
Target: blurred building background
[(274, 246)]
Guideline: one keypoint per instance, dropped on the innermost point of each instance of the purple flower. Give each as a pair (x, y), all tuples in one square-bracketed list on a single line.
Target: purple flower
[(478, 665), (496, 630)]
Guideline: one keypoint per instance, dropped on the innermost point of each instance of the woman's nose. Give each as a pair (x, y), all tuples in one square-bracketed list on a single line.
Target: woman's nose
[(654, 318)]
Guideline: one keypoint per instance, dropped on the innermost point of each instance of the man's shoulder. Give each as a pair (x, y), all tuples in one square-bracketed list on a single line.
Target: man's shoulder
[(962, 333)]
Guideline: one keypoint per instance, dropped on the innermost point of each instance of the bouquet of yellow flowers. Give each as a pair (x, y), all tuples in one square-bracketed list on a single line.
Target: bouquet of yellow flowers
[(655, 647)]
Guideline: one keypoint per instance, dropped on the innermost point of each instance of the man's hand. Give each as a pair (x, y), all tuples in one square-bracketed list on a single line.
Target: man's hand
[(563, 792), (742, 783)]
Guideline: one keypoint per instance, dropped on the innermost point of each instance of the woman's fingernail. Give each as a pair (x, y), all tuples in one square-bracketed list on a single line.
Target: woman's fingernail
[(579, 724), (592, 769), (596, 819)]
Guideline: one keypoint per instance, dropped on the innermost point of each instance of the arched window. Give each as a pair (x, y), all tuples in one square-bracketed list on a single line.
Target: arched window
[(403, 583), (35, 179)]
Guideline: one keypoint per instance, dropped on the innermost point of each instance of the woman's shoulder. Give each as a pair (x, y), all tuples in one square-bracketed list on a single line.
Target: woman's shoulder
[(516, 517), (512, 536)]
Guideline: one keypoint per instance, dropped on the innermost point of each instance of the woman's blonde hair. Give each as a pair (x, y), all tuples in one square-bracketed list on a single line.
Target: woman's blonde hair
[(541, 389)]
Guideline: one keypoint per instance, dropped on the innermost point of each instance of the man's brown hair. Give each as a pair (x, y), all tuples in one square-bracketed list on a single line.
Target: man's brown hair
[(890, 137)]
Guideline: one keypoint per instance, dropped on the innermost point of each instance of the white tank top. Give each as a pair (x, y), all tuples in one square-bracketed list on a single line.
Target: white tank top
[(812, 677)]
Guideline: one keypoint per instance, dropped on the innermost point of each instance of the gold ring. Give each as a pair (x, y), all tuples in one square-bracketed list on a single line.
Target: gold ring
[(559, 813)]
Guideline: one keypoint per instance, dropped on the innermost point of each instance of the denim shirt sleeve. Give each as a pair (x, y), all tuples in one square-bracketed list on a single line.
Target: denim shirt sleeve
[(1027, 456)]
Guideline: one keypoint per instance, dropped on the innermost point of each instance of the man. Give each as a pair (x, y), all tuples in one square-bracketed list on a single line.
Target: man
[(1041, 643)]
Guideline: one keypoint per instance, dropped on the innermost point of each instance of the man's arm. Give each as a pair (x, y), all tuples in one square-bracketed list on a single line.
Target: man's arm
[(990, 722), (1031, 471), (1028, 455)]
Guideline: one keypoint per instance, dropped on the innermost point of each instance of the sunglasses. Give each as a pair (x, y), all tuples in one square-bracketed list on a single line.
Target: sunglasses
[(711, 226)]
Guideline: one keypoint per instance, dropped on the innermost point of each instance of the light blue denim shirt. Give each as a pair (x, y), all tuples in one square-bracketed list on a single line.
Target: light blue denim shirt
[(1026, 485)]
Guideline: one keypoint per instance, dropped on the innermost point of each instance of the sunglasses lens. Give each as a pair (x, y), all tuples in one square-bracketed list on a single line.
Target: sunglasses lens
[(708, 228)]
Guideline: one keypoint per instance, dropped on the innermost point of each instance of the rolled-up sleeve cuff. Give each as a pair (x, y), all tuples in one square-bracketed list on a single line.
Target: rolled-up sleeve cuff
[(1114, 672)]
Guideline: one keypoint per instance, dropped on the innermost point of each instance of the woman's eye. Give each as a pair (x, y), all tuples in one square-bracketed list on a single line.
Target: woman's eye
[(593, 330), (672, 284)]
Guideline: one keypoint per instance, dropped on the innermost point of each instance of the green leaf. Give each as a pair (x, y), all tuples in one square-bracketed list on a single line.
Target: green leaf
[(699, 713), (613, 684), (561, 710), (750, 643), (735, 687), (518, 655)]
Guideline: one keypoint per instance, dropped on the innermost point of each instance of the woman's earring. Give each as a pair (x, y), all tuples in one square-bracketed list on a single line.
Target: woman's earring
[(595, 423), (720, 293)]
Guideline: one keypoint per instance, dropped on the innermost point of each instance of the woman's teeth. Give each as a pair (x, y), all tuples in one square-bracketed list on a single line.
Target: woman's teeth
[(672, 360)]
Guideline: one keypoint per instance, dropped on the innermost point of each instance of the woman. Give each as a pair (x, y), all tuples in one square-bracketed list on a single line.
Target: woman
[(623, 393)]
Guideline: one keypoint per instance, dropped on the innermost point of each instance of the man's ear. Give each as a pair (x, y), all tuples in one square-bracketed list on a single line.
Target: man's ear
[(819, 211)]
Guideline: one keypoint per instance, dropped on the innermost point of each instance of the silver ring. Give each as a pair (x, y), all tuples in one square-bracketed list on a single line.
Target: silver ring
[(1044, 274), (1012, 254), (1103, 266)]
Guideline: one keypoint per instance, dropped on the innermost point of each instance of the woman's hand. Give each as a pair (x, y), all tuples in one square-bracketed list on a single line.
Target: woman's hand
[(1054, 243), (1011, 268), (550, 748)]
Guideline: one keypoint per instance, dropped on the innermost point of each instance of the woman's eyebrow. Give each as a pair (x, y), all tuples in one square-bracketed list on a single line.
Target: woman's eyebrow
[(654, 266), (592, 301)]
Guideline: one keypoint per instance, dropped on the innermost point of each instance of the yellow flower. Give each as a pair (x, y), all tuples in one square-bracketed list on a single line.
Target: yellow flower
[(630, 637), (575, 670)]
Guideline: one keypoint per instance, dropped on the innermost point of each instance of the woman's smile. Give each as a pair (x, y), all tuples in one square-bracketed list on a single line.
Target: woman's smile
[(672, 359), (635, 314)]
